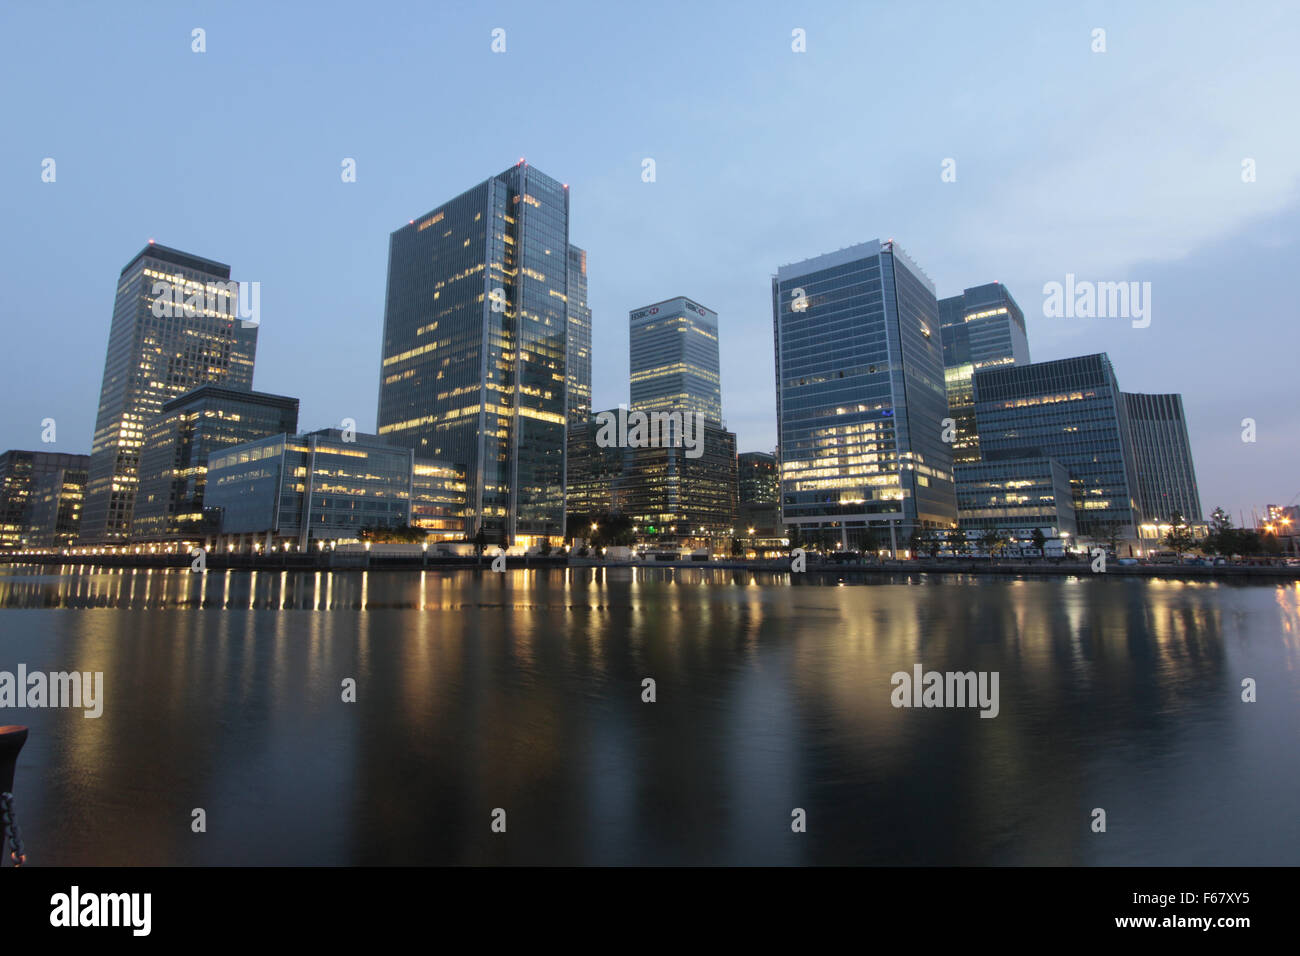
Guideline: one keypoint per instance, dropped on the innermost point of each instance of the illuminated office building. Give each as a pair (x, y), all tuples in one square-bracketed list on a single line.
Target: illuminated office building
[(475, 348), (438, 499), (758, 479), (578, 368), (57, 499), (596, 473), (682, 497), (178, 443), (1163, 459), (300, 490), (1070, 410), (1014, 496), (673, 347), (981, 328), (675, 370), (26, 477), (664, 487), (176, 326), (860, 397)]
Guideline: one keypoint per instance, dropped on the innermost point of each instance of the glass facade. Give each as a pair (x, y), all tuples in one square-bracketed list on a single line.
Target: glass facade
[(1163, 457), (677, 495), (981, 328), (759, 483), (1071, 410), (860, 394), (25, 478), (596, 474), (154, 358), (475, 349), (299, 489), (579, 361), (758, 478), (438, 499), (178, 443), (56, 507), (673, 348), (1016, 495)]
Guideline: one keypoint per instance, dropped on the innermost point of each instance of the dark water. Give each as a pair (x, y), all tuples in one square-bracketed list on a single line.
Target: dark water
[(522, 691)]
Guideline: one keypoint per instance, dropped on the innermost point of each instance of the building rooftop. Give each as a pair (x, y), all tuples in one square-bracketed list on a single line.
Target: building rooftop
[(178, 258)]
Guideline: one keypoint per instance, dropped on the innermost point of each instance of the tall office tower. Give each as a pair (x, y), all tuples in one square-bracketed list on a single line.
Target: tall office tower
[(578, 367), (175, 326), (1070, 410), (22, 476), (1163, 459), (675, 370), (860, 396), (178, 442), (981, 328), (475, 345), (674, 358)]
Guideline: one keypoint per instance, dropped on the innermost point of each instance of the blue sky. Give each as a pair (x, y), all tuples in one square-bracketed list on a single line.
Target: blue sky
[(1115, 166)]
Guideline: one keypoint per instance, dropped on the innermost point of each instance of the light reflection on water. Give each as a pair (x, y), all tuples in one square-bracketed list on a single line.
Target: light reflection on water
[(523, 691)]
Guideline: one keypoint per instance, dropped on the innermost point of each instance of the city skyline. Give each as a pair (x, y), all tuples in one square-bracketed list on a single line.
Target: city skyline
[(1093, 214)]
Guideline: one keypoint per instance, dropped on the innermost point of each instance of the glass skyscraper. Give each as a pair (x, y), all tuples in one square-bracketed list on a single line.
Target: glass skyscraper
[(860, 396), (1163, 453), (475, 349), (158, 350), (578, 370), (981, 328), (675, 367), (1070, 410), (673, 350)]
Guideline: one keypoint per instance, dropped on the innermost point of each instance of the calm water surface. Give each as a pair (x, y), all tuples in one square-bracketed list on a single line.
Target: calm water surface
[(523, 690)]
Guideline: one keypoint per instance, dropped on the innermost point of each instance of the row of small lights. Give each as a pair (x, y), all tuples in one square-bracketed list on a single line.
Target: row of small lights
[(320, 544)]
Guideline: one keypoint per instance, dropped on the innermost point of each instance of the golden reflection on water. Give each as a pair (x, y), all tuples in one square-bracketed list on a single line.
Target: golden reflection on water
[(528, 683)]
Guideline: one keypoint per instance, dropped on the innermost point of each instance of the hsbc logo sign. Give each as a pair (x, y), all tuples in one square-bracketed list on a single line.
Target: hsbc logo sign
[(655, 310)]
